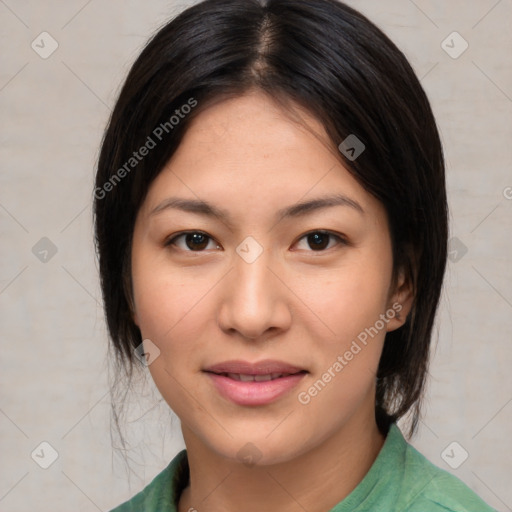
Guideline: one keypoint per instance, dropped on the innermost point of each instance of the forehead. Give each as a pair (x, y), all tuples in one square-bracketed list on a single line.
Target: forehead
[(255, 123), (248, 152)]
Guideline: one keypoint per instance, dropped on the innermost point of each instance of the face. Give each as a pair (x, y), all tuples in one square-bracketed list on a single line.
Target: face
[(306, 287)]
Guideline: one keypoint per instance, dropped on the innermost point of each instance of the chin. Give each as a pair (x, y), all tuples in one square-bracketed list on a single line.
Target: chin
[(260, 449)]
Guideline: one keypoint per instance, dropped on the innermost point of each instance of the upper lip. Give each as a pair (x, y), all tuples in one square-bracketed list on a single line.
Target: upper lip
[(265, 367)]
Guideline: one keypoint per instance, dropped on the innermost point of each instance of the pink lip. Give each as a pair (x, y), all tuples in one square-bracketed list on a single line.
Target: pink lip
[(254, 393), (260, 368)]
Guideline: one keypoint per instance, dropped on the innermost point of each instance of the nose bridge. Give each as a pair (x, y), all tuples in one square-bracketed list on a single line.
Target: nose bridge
[(251, 279), (253, 302)]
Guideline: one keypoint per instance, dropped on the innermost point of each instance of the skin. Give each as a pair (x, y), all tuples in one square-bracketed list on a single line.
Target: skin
[(202, 304)]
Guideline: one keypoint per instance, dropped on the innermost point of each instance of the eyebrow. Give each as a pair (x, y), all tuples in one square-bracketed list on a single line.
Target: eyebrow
[(296, 210)]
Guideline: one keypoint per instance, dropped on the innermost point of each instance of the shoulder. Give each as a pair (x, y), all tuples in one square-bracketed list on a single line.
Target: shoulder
[(401, 479), (162, 492), (428, 487)]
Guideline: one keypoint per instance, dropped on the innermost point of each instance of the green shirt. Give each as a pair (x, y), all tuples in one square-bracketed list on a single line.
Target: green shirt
[(400, 480)]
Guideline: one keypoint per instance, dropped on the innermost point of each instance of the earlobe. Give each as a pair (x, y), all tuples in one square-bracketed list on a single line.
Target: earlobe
[(128, 293), (133, 312), (400, 302)]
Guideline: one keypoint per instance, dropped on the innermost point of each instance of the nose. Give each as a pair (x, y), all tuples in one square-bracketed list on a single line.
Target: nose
[(254, 299)]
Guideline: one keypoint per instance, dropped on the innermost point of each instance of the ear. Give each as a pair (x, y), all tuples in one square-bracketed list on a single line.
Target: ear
[(400, 301)]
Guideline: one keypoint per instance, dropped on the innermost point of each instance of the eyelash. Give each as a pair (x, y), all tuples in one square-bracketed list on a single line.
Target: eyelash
[(341, 240)]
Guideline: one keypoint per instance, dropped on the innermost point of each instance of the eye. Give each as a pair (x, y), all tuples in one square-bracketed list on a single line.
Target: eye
[(319, 240), (195, 241), (198, 241)]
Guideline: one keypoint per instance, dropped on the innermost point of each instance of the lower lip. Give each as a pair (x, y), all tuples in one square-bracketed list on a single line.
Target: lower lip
[(254, 393)]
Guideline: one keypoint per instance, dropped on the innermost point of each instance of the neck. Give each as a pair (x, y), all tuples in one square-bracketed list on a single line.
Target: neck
[(315, 481)]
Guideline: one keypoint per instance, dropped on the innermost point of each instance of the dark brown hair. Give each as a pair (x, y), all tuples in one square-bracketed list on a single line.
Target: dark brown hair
[(332, 61)]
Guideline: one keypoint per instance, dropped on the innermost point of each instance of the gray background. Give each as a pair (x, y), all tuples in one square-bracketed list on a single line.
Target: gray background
[(54, 371)]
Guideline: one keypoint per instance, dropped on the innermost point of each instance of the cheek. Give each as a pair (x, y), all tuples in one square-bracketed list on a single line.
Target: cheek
[(349, 298), (162, 300), (350, 301), (170, 312), (346, 360), (163, 295)]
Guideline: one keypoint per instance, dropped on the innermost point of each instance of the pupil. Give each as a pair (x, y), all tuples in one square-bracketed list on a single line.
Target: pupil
[(196, 239), (315, 240)]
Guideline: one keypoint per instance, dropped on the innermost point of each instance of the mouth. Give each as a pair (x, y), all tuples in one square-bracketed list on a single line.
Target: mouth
[(268, 368), (256, 378), (251, 384)]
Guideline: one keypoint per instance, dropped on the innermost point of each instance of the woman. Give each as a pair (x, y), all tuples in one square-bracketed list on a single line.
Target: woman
[(271, 224)]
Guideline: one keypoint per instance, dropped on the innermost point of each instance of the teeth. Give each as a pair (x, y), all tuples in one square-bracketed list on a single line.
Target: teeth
[(234, 376), (252, 378), (261, 378)]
